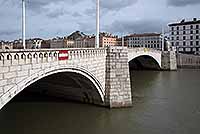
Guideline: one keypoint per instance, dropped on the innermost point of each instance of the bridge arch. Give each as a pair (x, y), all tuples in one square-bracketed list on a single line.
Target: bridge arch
[(144, 62), (41, 74), (146, 57)]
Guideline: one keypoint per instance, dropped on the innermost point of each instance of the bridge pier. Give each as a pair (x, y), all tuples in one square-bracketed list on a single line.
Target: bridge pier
[(168, 61), (117, 81)]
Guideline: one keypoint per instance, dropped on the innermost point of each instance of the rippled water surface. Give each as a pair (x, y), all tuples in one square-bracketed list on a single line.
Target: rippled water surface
[(164, 103)]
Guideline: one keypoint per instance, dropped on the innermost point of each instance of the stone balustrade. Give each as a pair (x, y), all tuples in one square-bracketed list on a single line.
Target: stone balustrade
[(143, 49), (15, 57)]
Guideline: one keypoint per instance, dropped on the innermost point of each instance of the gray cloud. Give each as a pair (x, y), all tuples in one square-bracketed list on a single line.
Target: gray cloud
[(90, 12), (109, 5), (56, 13), (39, 5), (71, 15), (142, 26), (181, 3), (76, 14), (116, 4), (9, 32), (86, 27)]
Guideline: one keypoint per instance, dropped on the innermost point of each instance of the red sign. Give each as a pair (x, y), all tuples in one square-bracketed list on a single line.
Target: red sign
[(63, 55)]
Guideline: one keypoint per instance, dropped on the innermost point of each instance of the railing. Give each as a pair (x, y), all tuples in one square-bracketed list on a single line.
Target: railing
[(9, 57), (143, 49)]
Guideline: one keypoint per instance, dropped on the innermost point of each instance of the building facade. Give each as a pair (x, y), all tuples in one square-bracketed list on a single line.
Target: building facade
[(69, 43), (185, 36), (107, 39), (6, 45), (81, 40), (57, 42), (148, 40), (34, 43)]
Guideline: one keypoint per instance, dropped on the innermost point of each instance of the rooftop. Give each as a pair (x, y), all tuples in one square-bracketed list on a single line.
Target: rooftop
[(144, 35), (183, 22)]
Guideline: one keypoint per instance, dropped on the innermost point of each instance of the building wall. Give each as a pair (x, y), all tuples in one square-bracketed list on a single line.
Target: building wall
[(57, 43), (108, 41), (186, 37), (144, 40), (69, 43)]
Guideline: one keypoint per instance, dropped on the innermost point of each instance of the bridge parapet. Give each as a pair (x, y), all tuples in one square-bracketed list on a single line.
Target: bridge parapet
[(143, 49), (22, 57)]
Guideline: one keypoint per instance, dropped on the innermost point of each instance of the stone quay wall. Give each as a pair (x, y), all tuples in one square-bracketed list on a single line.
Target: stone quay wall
[(188, 61)]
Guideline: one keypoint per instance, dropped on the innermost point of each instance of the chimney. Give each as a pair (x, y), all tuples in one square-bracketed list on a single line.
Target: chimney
[(194, 19), (183, 20)]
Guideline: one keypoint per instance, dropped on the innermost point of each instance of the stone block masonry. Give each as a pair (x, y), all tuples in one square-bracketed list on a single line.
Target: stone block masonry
[(188, 61), (20, 68), (118, 88), (169, 61), (106, 68)]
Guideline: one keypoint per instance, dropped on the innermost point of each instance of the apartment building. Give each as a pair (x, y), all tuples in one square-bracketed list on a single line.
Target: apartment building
[(148, 40), (107, 39), (185, 36)]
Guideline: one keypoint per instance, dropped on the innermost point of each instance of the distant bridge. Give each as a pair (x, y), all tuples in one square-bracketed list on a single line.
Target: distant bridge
[(98, 76)]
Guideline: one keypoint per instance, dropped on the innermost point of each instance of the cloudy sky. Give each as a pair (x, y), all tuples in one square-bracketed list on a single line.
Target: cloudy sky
[(51, 18)]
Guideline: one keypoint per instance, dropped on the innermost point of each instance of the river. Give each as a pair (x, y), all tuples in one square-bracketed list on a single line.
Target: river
[(164, 103)]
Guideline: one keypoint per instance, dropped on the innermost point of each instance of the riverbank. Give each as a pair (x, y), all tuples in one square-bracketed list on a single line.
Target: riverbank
[(186, 61)]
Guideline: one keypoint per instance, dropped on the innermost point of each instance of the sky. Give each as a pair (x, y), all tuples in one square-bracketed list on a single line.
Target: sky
[(51, 18)]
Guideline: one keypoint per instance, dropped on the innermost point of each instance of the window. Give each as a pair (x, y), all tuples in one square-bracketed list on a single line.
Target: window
[(191, 37), (172, 28), (197, 26), (184, 43), (184, 38), (191, 27), (177, 43), (172, 33), (197, 31), (177, 32), (183, 32), (191, 32), (191, 43), (177, 28), (197, 43), (172, 43), (197, 37), (183, 27), (172, 38), (177, 38)]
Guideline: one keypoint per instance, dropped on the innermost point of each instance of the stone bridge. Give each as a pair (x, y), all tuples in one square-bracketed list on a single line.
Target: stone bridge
[(97, 76)]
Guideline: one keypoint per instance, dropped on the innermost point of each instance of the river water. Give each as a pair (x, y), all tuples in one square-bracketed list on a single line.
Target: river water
[(164, 103)]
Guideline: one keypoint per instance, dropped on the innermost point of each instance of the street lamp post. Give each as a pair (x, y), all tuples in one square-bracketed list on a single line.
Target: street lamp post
[(163, 38), (23, 24), (97, 24)]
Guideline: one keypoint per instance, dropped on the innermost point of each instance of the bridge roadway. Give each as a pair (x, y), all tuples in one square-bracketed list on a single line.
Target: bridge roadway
[(97, 76)]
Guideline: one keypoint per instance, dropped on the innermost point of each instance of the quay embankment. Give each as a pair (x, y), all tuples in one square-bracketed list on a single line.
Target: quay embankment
[(186, 61)]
